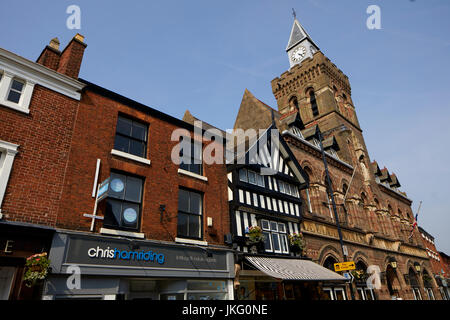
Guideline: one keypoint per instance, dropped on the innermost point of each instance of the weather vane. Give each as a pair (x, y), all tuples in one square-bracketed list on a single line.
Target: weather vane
[(294, 14)]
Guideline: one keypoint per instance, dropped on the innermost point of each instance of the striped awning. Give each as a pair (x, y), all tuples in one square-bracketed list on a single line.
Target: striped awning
[(294, 269)]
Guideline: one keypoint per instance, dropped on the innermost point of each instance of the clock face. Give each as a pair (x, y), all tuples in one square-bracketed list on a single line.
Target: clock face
[(298, 53)]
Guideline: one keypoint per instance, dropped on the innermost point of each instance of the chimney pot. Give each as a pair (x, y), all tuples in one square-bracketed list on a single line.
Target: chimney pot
[(54, 43)]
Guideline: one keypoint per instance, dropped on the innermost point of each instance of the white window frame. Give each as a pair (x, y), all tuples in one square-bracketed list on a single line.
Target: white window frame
[(25, 95), (330, 290), (429, 290), (8, 152), (282, 235), (416, 290), (340, 289)]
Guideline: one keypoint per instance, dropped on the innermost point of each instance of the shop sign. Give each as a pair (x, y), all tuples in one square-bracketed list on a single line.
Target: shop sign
[(142, 254)]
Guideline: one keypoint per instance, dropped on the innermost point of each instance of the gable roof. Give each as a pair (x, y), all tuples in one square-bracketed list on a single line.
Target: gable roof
[(272, 155), (249, 108)]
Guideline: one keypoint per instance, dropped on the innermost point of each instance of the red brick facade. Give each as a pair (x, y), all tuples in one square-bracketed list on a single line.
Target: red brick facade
[(93, 139)]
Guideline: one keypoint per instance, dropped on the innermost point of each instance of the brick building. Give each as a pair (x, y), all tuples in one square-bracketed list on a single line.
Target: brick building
[(375, 216), (157, 233), (38, 105), (439, 264)]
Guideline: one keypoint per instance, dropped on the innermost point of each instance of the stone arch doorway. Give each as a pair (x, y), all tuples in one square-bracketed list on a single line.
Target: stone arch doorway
[(392, 281)]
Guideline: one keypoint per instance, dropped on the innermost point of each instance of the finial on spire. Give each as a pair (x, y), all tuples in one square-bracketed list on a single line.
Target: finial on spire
[(294, 14)]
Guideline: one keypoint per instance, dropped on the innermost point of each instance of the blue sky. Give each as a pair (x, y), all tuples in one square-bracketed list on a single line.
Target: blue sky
[(201, 55)]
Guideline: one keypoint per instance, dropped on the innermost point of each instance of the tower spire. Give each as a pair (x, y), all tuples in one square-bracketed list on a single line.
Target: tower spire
[(300, 45)]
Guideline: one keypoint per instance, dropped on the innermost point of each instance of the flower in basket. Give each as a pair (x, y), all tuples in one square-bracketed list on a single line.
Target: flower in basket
[(297, 242), (360, 275), (255, 234), (37, 267)]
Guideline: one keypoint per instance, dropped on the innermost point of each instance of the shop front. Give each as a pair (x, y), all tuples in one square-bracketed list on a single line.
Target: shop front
[(19, 241), (273, 278), (97, 267)]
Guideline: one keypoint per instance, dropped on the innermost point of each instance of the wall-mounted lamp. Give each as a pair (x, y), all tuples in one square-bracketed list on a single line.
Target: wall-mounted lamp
[(417, 266), (393, 263)]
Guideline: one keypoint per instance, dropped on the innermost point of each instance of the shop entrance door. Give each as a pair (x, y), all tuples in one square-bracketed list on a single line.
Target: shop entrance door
[(6, 280)]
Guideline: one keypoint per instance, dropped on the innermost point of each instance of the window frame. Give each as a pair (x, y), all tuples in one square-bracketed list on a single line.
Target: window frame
[(201, 215), (192, 157), (130, 137), (121, 225), (11, 89), (258, 177), (270, 232)]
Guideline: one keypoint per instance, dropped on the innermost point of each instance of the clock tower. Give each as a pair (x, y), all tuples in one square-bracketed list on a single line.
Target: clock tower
[(318, 90), (300, 45)]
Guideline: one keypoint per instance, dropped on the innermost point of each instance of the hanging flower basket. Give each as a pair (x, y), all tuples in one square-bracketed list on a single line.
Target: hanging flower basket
[(360, 276), (255, 239), (297, 243), (255, 235), (37, 267)]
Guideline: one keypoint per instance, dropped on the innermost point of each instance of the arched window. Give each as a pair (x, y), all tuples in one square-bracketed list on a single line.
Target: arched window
[(308, 172), (312, 100), (329, 263), (377, 203), (344, 189), (293, 104), (363, 199), (390, 209)]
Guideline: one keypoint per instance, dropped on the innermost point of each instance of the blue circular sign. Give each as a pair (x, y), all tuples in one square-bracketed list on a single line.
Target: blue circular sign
[(117, 185), (130, 215)]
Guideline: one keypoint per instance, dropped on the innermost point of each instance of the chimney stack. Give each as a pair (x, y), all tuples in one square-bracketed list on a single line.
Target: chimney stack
[(71, 57), (50, 56)]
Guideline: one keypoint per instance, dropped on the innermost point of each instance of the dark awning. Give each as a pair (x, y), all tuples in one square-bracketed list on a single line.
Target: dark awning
[(294, 269)]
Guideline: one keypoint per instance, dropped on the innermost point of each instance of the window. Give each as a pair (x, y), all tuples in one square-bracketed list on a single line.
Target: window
[(336, 293), (191, 159), (189, 214), (416, 293), (333, 153), (296, 131), (131, 137), (312, 99), (316, 142), (287, 188), (430, 293), (275, 236), (123, 206), (251, 177), (293, 103), (15, 91), (8, 152)]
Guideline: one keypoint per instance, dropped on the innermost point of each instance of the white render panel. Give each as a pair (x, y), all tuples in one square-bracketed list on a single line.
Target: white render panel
[(238, 223)]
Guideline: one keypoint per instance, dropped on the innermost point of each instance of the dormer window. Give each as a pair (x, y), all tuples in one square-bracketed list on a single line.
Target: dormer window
[(316, 142), (333, 153), (296, 131), (15, 92)]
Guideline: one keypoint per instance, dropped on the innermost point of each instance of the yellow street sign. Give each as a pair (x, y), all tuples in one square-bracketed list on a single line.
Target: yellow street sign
[(342, 266)]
